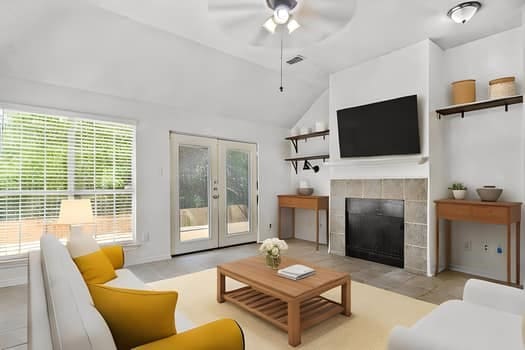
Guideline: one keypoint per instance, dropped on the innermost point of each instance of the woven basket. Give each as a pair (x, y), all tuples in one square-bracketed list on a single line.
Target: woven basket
[(463, 91), (502, 87)]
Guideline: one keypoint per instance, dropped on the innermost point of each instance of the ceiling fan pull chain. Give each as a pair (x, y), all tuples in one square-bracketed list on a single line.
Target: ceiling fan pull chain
[(281, 88)]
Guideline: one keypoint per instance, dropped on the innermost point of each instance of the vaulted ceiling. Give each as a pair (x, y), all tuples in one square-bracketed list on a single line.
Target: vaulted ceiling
[(170, 53)]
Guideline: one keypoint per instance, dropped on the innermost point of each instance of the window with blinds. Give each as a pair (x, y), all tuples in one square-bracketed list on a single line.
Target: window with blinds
[(44, 159)]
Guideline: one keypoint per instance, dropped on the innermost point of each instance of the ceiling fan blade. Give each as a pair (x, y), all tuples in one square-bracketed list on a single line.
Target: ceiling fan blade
[(230, 6), (337, 11), (260, 38), (238, 22)]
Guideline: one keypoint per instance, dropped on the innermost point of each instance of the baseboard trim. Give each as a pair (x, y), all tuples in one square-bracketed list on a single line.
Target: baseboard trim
[(468, 271), (13, 281), (13, 272), (208, 250), (146, 260), (14, 263), (336, 252)]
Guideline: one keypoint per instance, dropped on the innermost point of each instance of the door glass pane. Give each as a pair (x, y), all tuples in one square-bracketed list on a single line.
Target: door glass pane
[(193, 192), (237, 191)]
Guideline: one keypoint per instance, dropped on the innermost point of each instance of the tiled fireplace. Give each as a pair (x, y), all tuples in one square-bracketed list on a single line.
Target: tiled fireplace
[(414, 194)]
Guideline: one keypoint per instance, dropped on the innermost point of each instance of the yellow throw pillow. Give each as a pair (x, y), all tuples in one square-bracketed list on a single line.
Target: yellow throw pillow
[(115, 254), (95, 267), (135, 317), (93, 264)]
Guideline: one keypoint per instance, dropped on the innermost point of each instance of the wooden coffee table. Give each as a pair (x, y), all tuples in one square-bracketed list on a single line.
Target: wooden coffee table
[(290, 305)]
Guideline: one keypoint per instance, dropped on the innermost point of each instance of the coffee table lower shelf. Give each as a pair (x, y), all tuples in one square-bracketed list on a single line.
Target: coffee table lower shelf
[(275, 311)]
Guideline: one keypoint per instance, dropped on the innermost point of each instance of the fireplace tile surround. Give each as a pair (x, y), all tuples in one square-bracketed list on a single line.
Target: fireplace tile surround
[(412, 191)]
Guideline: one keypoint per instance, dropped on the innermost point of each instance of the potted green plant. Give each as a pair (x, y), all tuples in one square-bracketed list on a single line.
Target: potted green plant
[(459, 191)]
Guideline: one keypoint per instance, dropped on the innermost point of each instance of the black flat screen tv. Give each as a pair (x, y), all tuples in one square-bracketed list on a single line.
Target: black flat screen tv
[(379, 129)]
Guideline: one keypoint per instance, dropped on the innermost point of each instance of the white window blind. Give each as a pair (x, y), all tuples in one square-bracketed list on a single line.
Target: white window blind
[(44, 159)]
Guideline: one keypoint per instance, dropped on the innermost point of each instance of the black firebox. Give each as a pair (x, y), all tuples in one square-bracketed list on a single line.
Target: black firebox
[(375, 230)]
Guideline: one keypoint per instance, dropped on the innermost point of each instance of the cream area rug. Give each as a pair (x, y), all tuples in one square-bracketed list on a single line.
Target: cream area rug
[(374, 313)]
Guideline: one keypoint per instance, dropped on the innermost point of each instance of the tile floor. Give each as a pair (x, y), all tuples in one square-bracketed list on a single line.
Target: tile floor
[(447, 285)]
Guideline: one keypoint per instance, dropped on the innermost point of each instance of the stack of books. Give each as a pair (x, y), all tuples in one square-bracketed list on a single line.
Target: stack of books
[(296, 272)]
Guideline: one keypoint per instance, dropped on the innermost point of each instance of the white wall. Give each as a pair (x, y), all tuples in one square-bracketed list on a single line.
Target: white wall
[(400, 73), (486, 147), (305, 219), (438, 163), (317, 112), (154, 123)]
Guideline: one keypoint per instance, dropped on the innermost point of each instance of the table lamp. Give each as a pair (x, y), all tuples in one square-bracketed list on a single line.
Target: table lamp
[(75, 212)]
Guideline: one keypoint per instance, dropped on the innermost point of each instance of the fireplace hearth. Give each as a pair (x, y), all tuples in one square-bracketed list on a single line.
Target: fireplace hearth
[(375, 230), (412, 192)]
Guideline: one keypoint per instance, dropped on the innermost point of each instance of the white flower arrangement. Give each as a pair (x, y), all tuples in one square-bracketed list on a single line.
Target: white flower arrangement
[(273, 247)]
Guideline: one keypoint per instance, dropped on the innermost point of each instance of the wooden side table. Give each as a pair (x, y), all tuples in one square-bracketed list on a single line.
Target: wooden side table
[(501, 213), (304, 202)]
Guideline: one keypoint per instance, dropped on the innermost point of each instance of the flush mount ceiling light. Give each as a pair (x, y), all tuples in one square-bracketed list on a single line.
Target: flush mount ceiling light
[(464, 12)]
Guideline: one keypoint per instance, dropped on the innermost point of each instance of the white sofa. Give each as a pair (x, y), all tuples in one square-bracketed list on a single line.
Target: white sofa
[(62, 315), (488, 317)]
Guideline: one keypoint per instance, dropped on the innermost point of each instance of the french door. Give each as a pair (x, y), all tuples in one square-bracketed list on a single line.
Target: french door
[(213, 193)]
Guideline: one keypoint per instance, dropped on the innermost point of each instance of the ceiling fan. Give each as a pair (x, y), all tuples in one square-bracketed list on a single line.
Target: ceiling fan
[(256, 22)]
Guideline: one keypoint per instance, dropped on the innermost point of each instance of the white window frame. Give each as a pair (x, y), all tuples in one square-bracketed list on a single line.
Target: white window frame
[(70, 192)]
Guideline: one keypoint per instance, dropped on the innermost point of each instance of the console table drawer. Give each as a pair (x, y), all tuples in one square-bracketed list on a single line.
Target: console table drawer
[(455, 211), (296, 202), (490, 214)]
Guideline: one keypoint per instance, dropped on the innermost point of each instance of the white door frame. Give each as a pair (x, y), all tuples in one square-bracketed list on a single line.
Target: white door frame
[(218, 235), (226, 239), (178, 246)]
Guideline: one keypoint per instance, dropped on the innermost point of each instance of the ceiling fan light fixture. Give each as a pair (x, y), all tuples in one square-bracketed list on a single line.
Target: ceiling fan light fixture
[(281, 14), (464, 12), (293, 25), (270, 25)]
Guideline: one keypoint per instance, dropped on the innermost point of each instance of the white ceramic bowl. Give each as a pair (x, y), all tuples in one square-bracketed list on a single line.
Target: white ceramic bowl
[(489, 194), (308, 191)]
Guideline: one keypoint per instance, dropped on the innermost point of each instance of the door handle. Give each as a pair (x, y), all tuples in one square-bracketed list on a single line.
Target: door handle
[(215, 196)]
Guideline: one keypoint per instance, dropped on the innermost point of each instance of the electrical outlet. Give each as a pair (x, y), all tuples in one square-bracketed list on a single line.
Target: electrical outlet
[(485, 247), (270, 226)]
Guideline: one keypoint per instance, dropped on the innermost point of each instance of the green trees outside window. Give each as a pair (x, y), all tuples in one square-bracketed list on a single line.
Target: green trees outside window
[(44, 159)]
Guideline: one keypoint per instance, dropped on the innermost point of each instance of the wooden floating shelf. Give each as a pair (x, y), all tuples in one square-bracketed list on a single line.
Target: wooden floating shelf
[(310, 135), (313, 311), (305, 137), (476, 106), (298, 159), (307, 158)]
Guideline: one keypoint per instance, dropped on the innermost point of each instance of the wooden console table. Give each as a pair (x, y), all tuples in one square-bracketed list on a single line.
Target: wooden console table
[(304, 202), (502, 213)]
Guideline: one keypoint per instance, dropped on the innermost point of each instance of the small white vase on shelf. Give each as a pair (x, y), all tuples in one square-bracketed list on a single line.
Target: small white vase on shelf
[(306, 130), (320, 126)]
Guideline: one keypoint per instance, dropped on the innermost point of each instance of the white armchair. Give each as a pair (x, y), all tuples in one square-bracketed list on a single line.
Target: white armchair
[(489, 317)]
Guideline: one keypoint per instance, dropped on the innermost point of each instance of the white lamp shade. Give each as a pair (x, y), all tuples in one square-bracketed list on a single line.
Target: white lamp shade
[(75, 212)]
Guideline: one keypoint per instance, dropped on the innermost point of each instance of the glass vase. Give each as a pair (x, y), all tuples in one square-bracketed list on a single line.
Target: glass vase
[(273, 261)]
